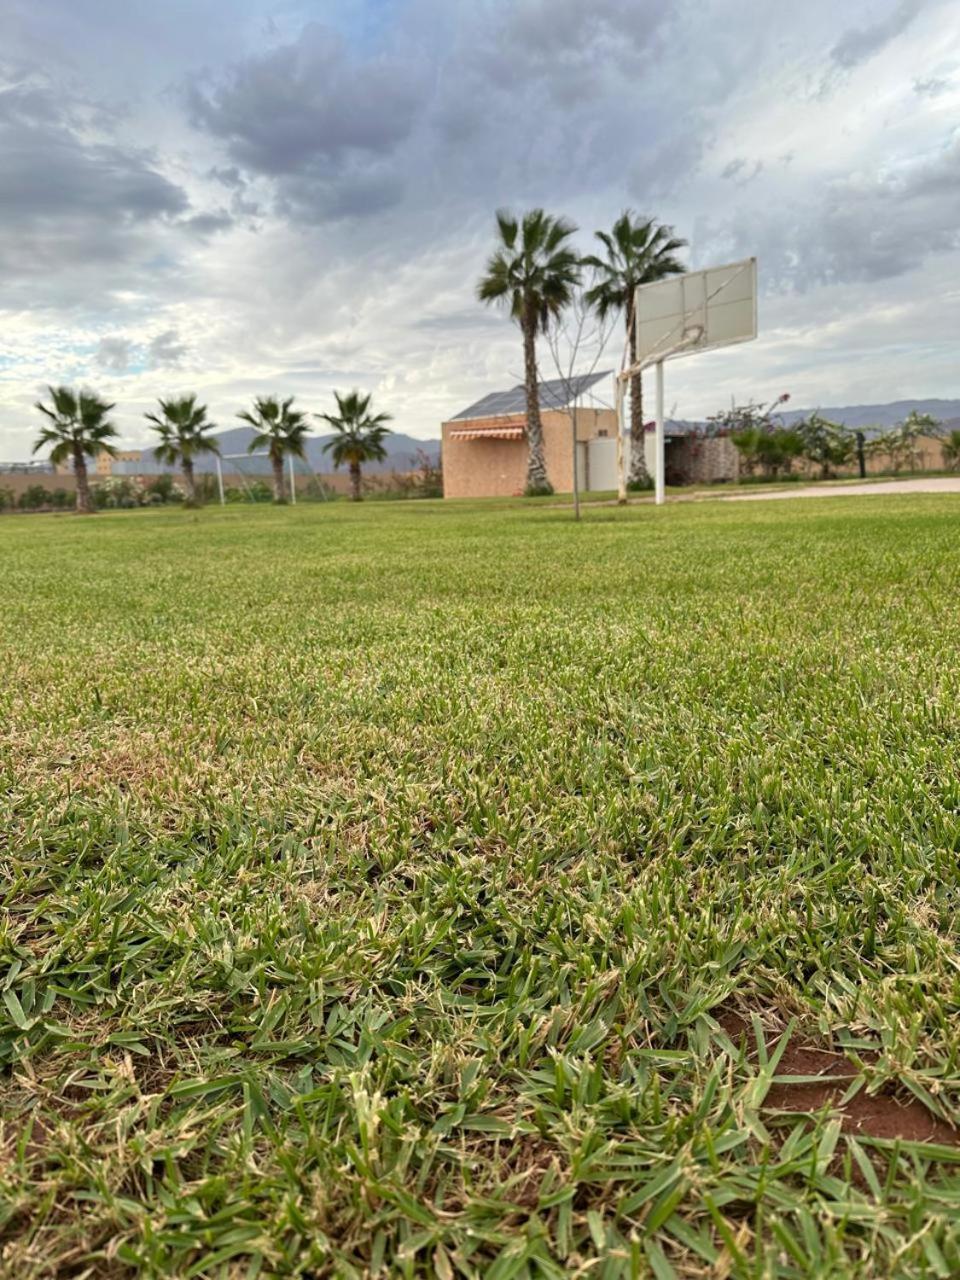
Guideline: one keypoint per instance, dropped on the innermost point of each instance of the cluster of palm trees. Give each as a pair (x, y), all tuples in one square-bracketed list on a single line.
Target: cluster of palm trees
[(78, 427), (535, 271)]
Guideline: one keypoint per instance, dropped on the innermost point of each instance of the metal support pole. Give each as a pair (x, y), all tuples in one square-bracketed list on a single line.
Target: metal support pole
[(659, 461), (576, 468), (293, 483), (220, 483), (621, 468)]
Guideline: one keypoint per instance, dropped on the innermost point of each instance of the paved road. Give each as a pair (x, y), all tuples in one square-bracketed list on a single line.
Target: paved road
[(935, 484)]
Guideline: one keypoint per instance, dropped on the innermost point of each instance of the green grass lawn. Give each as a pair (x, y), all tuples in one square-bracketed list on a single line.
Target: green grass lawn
[(448, 890)]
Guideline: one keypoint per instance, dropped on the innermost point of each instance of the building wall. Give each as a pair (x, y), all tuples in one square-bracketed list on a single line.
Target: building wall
[(498, 468), (929, 456), (19, 481), (695, 460), (692, 460)]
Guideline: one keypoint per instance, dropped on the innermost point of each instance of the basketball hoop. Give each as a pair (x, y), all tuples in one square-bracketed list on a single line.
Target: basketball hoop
[(681, 316)]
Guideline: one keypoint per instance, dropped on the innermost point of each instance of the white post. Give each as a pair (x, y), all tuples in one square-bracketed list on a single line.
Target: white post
[(659, 460), (621, 468), (576, 477), (293, 483), (220, 482)]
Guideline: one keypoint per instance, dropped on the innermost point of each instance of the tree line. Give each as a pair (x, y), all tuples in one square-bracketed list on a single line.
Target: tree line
[(770, 447), (78, 427), (534, 271)]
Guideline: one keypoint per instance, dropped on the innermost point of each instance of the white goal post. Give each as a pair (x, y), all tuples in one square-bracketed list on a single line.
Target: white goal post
[(681, 316), (238, 459)]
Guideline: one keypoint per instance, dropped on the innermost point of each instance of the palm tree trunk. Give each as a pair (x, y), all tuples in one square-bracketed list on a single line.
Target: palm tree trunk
[(84, 502), (189, 483), (356, 494), (537, 479), (639, 475), (276, 460)]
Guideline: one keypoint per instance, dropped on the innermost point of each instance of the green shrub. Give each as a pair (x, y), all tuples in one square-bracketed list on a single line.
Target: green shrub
[(163, 488), (34, 497), (762, 439), (828, 445), (116, 492)]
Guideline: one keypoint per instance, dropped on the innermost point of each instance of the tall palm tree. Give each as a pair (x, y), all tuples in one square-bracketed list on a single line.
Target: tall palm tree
[(182, 427), (78, 428), (359, 438), (534, 271), (637, 251), (281, 430)]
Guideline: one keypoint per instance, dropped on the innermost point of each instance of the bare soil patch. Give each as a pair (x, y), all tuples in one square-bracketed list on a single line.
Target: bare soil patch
[(890, 1113)]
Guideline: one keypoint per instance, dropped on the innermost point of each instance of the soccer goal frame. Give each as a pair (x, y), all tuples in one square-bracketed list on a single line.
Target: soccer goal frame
[(291, 472)]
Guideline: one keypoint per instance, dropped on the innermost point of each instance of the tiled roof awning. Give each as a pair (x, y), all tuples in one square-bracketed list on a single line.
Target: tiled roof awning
[(487, 433)]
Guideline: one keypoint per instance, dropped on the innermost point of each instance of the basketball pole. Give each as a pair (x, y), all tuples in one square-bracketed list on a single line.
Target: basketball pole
[(576, 464), (619, 401), (659, 467)]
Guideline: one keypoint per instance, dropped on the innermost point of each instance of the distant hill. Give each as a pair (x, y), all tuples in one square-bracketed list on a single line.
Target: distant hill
[(401, 453), (869, 418), (402, 449), (879, 415)]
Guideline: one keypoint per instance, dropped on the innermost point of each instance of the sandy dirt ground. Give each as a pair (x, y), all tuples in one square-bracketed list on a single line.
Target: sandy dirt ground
[(935, 484)]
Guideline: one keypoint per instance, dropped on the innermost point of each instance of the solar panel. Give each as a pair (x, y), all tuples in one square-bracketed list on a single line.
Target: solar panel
[(555, 393)]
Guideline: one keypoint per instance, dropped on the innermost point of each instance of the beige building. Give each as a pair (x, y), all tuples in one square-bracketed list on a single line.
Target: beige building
[(485, 445), (102, 465), (105, 462)]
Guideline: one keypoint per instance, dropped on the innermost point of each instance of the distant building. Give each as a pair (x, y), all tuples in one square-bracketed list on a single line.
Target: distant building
[(485, 445), (37, 467), (103, 464), (123, 455)]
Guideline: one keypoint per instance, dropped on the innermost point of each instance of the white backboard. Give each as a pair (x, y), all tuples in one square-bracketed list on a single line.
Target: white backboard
[(697, 311)]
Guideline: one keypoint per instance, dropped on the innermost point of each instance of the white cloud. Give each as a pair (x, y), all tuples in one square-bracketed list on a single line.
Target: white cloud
[(323, 221)]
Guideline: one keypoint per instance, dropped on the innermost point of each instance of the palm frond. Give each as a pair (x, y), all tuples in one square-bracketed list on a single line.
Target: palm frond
[(637, 251), (359, 433), (279, 427), (76, 421), (533, 271)]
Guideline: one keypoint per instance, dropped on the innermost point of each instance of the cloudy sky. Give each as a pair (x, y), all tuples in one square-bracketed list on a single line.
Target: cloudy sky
[(238, 196)]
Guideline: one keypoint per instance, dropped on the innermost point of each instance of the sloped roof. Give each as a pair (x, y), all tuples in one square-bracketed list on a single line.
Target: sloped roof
[(555, 393)]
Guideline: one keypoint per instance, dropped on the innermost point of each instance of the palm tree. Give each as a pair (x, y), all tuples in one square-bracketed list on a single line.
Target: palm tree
[(281, 429), (182, 427), (360, 436), (534, 271), (637, 251), (78, 428)]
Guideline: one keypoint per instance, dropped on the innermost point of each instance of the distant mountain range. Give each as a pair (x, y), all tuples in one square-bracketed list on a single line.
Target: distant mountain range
[(858, 416), (869, 418), (401, 455), (402, 449)]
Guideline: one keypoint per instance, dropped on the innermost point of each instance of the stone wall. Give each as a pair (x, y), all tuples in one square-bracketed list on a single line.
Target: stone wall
[(696, 460)]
